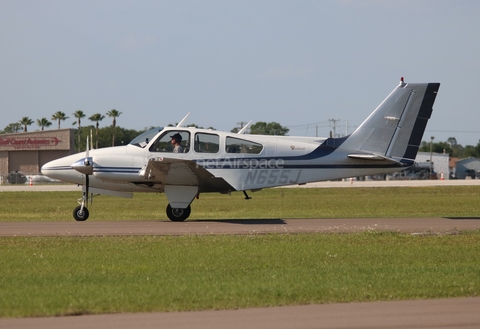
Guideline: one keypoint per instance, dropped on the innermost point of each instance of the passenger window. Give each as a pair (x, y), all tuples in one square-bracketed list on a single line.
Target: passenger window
[(206, 143), (172, 141), (237, 145)]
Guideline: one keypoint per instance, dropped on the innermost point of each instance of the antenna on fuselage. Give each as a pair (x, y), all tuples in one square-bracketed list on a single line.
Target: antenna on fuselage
[(183, 120), (91, 140), (242, 131)]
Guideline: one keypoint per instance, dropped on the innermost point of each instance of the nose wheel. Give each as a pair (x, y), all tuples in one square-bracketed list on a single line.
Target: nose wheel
[(80, 213), (178, 214)]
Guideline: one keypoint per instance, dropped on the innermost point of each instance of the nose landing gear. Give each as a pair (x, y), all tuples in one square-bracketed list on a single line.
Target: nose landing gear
[(80, 213)]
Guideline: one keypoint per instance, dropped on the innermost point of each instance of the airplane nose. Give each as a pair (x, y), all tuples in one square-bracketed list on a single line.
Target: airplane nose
[(57, 169), (47, 168), (44, 168)]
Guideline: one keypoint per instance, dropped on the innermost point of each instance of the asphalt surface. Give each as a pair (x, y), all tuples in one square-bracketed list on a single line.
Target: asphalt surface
[(261, 226), (445, 313)]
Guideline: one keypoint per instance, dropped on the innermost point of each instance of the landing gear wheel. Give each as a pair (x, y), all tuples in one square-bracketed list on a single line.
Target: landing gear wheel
[(178, 214), (80, 215)]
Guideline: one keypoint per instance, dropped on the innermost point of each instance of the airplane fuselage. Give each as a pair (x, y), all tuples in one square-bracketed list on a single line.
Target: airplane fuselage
[(280, 161)]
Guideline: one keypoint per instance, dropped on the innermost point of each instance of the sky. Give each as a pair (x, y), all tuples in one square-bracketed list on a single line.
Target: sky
[(304, 64)]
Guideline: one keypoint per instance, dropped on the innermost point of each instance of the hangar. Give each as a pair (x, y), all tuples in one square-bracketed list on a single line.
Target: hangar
[(28, 152)]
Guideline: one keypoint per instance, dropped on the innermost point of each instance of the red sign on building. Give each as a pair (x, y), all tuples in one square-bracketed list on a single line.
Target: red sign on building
[(24, 142)]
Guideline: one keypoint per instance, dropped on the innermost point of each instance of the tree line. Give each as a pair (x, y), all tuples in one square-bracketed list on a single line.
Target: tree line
[(59, 116), (452, 148), (114, 136)]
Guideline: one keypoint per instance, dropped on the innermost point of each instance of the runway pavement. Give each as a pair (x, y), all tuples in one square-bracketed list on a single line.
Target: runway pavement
[(445, 313), (260, 226)]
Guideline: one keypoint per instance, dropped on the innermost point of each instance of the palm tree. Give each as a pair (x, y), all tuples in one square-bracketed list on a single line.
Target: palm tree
[(60, 116), (26, 121), (79, 115), (97, 117), (114, 114), (43, 122)]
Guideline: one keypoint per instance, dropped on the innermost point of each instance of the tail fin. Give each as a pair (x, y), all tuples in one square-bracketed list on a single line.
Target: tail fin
[(395, 129)]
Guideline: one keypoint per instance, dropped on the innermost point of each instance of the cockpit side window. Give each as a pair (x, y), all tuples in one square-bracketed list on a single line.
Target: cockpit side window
[(173, 141), (206, 143), (237, 145)]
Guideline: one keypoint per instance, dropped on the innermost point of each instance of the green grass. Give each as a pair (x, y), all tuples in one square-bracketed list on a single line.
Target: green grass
[(451, 201), (66, 275), (45, 276)]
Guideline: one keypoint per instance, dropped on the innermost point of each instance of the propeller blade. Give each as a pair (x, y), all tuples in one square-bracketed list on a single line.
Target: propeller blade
[(87, 149)]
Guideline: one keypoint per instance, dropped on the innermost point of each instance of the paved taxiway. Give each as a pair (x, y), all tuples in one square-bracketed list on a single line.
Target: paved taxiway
[(260, 226), (445, 313)]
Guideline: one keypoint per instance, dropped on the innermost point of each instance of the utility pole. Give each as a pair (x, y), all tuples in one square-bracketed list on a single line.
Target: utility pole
[(334, 126), (240, 126), (431, 163)]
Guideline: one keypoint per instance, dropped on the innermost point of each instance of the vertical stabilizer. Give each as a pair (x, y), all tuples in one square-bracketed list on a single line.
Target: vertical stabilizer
[(395, 129)]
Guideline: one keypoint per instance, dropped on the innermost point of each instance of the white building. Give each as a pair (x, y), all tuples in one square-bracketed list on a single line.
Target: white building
[(439, 161)]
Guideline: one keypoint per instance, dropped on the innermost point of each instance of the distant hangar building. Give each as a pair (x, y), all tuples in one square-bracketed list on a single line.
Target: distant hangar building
[(28, 152)]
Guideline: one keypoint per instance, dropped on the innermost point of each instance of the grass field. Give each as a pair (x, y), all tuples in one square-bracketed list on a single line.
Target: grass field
[(451, 201), (45, 276), (66, 276)]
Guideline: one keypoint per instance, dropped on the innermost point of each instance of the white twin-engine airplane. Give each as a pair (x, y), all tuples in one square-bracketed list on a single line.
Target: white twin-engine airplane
[(184, 162)]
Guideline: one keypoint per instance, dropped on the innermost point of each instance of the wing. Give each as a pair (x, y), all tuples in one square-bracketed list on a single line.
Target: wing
[(181, 172)]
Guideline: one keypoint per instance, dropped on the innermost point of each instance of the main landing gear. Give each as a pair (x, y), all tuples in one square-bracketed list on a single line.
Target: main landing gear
[(178, 214)]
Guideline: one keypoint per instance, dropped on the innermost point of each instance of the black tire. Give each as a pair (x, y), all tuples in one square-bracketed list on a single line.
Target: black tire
[(80, 215), (177, 214)]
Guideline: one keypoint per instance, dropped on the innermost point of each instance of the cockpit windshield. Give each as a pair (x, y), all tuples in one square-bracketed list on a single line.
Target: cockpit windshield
[(142, 140)]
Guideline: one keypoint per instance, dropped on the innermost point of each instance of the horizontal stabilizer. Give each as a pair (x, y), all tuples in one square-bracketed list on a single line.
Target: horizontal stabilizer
[(366, 157), (373, 157)]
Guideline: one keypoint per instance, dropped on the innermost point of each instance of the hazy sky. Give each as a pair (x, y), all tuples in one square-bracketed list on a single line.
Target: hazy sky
[(299, 63)]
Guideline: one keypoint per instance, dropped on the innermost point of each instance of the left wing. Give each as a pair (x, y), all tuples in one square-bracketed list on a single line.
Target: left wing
[(181, 172)]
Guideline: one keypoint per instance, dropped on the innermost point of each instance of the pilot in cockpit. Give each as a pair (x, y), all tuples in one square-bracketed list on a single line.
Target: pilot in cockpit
[(176, 141)]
